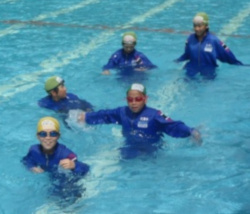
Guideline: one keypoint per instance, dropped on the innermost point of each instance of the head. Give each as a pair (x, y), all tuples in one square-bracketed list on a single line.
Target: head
[(55, 87), (200, 22), (129, 41), (136, 97), (48, 132)]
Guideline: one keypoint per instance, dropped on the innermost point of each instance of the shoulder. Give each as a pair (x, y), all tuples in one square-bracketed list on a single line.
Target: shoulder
[(159, 114), (72, 96), (212, 37), (138, 52), (150, 111), (191, 37), (45, 100), (65, 151), (61, 146), (35, 148), (117, 53)]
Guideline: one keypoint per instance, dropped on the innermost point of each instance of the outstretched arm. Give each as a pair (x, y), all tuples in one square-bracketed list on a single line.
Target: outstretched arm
[(178, 129), (185, 55), (225, 55), (101, 117)]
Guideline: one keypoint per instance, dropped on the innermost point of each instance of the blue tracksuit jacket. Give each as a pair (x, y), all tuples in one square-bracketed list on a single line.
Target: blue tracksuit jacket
[(202, 55), (49, 163), (140, 129), (126, 63), (64, 105)]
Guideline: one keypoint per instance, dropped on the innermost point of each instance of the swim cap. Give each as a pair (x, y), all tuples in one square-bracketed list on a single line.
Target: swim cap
[(129, 38), (52, 83), (137, 87), (48, 123), (201, 18)]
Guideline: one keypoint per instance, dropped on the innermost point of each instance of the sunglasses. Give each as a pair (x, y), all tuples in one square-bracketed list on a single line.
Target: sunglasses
[(136, 99), (51, 134)]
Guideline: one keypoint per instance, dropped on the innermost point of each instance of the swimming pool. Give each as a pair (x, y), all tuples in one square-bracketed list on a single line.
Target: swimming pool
[(74, 39)]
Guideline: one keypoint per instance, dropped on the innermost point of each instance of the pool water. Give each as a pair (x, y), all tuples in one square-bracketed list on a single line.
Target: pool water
[(74, 39)]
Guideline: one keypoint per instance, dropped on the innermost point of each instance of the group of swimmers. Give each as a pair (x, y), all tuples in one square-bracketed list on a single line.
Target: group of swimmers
[(142, 126)]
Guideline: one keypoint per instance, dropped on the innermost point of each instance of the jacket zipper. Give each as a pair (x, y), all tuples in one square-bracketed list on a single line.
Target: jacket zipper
[(47, 159), (199, 60)]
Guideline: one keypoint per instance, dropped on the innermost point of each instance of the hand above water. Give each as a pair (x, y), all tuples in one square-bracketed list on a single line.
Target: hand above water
[(196, 136)]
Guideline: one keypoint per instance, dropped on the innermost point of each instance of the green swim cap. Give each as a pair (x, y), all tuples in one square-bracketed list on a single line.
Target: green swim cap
[(129, 38), (52, 83), (201, 17)]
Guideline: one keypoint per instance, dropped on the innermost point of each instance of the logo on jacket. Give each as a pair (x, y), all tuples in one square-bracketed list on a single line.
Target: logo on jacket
[(208, 48), (143, 122), (136, 61)]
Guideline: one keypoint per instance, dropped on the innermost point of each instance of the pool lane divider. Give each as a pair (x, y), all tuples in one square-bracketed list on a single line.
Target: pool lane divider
[(105, 27), (24, 82), (16, 27)]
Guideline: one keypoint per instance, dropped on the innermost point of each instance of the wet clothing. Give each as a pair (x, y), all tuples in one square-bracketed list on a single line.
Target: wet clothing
[(71, 101), (64, 186), (202, 55), (143, 131), (127, 63), (50, 163)]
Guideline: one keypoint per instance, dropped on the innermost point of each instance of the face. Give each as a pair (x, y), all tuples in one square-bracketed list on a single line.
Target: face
[(128, 48), (136, 100), (61, 93), (200, 29), (48, 138)]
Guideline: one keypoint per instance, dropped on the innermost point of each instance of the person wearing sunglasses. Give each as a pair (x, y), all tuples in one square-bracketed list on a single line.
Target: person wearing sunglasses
[(57, 160), (203, 49), (50, 154), (128, 60), (142, 126)]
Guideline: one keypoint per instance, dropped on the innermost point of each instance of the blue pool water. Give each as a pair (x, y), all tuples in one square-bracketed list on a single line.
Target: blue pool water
[(73, 39)]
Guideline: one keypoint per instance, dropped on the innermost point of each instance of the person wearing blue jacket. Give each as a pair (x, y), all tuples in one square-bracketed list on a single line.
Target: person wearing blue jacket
[(203, 49), (128, 61), (143, 127), (59, 100), (55, 158)]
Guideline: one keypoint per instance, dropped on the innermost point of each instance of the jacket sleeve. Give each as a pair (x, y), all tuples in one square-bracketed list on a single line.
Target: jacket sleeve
[(185, 55), (80, 167), (43, 102), (224, 54), (143, 61), (176, 129), (113, 62), (29, 161), (104, 117)]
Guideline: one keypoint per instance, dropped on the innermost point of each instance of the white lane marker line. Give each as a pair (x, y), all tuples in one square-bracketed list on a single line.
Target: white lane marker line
[(8, 1), (15, 28), (235, 23), (19, 83)]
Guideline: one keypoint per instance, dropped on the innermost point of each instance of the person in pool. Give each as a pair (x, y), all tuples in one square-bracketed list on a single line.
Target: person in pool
[(203, 49), (56, 159), (143, 127), (50, 154), (128, 60), (59, 100)]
